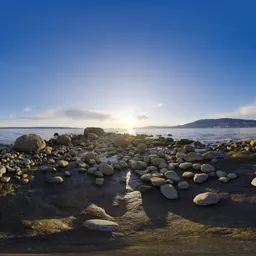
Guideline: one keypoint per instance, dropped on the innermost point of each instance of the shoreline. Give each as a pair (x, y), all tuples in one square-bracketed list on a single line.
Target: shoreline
[(147, 187)]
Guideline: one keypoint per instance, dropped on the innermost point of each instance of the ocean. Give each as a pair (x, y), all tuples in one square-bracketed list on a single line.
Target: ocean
[(8, 136)]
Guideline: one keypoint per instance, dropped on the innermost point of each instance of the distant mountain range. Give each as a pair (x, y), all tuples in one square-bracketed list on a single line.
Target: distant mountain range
[(43, 127), (212, 123)]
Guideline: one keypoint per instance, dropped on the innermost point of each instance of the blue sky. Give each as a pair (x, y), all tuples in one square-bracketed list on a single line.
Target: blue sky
[(125, 63)]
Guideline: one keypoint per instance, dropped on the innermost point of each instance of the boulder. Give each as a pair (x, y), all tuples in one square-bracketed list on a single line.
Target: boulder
[(96, 130), (172, 176), (64, 140), (193, 156), (169, 191), (200, 177), (206, 198), (106, 169), (29, 143), (207, 168), (101, 225)]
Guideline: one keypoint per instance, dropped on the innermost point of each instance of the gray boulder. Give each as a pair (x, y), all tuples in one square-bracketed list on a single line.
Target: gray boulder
[(96, 130), (207, 198)]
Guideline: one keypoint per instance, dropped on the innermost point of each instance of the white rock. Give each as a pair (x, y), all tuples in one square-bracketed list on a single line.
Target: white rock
[(169, 191), (207, 198)]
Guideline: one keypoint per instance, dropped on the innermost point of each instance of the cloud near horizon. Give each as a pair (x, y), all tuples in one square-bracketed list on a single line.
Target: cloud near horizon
[(244, 112), (71, 114), (141, 117)]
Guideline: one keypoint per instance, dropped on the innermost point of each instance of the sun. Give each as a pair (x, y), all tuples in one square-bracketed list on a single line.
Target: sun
[(130, 121)]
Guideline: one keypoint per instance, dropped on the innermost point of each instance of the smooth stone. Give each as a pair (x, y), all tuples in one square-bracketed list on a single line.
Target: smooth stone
[(98, 174), (183, 185), (27, 162), (2, 170), (214, 161), (97, 212), (196, 166), (157, 181), (5, 179), (207, 168), (193, 156), (171, 166), (206, 198), (157, 161), (172, 175), (56, 180), (101, 225), (123, 164), (106, 169), (185, 166), (179, 160), (146, 177), (67, 174), (92, 161), (224, 179), (162, 165), (99, 181), (180, 155), (212, 174), (63, 163), (220, 174), (169, 191), (200, 177), (24, 181), (232, 176), (169, 182), (188, 175)]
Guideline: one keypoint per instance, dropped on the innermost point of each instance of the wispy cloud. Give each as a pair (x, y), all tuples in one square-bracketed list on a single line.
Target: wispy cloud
[(141, 117), (28, 108), (158, 105), (71, 114), (245, 112)]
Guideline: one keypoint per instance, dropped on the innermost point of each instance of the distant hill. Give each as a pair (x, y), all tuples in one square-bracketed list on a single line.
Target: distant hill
[(212, 123)]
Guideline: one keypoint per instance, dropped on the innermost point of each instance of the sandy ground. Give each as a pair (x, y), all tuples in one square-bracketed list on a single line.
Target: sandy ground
[(47, 218)]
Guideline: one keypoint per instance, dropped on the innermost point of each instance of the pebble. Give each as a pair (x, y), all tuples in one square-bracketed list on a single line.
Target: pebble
[(56, 180), (200, 177), (63, 163), (183, 185), (92, 162), (207, 168), (106, 169), (232, 176), (220, 174), (24, 181), (67, 174), (188, 175), (172, 175), (224, 179), (146, 177), (169, 182), (144, 189), (99, 181), (214, 161), (185, 166), (5, 179), (212, 174), (157, 181), (101, 225), (196, 166)]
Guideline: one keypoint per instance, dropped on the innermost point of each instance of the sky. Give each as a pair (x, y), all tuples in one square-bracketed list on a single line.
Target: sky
[(126, 63)]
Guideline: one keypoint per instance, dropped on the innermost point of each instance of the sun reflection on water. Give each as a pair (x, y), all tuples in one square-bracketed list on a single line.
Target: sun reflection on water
[(131, 131)]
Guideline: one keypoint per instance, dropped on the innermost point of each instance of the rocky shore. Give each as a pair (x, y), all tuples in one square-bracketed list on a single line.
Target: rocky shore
[(107, 189)]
